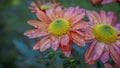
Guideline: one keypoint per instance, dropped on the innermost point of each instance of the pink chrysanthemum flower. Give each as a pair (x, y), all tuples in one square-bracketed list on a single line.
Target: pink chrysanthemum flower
[(107, 38), (59, 28), (42, 5)]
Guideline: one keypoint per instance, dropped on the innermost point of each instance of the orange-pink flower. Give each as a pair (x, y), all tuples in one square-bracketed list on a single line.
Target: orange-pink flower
[(42, 5), (107, 38), (59, 28)]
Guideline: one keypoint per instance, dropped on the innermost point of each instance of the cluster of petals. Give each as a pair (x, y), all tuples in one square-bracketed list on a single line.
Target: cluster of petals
[(80, 32), (77, 34), (100, 50)]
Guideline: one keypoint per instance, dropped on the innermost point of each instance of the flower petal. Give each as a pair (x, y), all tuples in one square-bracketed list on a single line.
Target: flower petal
[(105, 56), (77, 39), (108, 66), (34, 7), (114, 55), (90, 49), (45, 44), (51, 14), (68, 13), (65, 45), (55, 43), (111, 18), (80, 25), (117, 49), (77, 18), (118, 26), (39, 42), (58, 12), (38, 24), (118, 43), (107, 1), (66, 49), (37, 45), (42, 16), (88, 35), (67, 53), (36, 33), (98, 19), (95, 54), (103, 16), (64, 40), (92, 17)]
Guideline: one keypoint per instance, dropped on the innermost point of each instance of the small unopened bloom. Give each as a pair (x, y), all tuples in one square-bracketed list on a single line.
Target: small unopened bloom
[(107, 38), (42, 5), (59, 28)]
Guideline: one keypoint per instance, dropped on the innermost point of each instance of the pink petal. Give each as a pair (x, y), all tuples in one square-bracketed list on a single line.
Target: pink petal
[(111, 18), (58, 12), (42, 16), (55, 44), (34, 7), (108, 66), (117, 49), (88, 35), (103, 16), (45, 45), (107, 1), (89, 50), (105, 56), (68, 13), (37, 45), (98, 19), (80, 25), (118, 26), (38, 24), (64, 40), (92, 17), (51, 14), (35, 33), (118, 43), (66, 49), (77, 39), (95, 54), (77, 18), (114, 55), (67, 53)]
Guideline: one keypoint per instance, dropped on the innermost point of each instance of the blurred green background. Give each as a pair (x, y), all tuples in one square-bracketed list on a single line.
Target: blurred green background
[(16, 49)]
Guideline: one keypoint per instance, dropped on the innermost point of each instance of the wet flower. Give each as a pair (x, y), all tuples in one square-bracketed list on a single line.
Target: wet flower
[(95, 2), (107, 38), (42, 5), (59, 28)]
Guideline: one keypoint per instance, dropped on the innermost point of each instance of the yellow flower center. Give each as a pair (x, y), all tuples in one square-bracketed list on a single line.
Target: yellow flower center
[(44, 7), (105, 33), (59, 27)]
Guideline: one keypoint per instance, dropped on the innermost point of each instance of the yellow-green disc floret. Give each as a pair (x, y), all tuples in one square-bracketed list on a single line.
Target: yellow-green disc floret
[(59, 27), (44, 7), (105, 33)]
